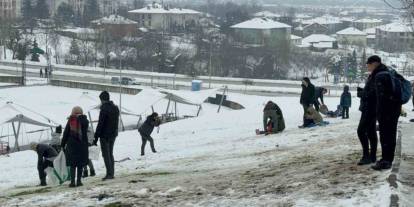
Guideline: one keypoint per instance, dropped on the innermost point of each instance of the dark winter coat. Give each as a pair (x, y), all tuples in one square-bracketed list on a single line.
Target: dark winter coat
[(76, 145), (346, 99), (148, 126), (107, 127), (272, 110), (375, 97), (319, 94), (307, 96), (385, 106), (45, 152)]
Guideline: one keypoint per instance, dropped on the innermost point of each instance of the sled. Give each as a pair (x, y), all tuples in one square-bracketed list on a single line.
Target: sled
[(123, 160)]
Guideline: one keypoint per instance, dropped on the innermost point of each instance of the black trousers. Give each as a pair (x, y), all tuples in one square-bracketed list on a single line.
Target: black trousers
[(42, 175), (367, 133), (90, 165), (388, 135), (146, 138), (107, 147), (75, 171), (317, 104), (345, 112)]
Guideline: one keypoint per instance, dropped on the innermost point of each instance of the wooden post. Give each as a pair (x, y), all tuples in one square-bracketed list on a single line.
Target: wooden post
[(91, 122), (199, 110), (168, 107), (16, 135), (175, 110), (222, 99)]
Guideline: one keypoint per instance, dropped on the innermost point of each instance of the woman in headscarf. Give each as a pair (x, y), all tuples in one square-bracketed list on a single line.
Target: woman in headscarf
[(75, 143)]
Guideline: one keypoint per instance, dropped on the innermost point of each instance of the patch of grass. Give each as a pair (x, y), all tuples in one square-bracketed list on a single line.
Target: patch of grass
[(30, 192)]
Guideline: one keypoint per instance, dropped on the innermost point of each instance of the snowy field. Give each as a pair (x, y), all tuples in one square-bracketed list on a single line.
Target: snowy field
[(212, 160)]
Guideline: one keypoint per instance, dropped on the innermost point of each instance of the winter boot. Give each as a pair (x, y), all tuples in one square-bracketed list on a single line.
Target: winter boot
[(85, 173), (364, 161), (93, 173), (72, 177), (382, 165)]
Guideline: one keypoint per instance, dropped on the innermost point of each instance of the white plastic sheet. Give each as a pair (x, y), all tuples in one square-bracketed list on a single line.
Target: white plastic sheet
[(94, 152)]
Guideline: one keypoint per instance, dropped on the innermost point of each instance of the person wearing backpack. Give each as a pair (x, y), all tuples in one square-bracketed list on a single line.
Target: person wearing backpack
[(389, 95)]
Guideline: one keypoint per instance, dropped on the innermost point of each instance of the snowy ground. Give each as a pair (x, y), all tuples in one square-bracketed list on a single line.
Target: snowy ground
[(212, 160)]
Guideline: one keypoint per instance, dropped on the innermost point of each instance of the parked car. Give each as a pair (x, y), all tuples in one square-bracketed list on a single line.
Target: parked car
[(124, 81)]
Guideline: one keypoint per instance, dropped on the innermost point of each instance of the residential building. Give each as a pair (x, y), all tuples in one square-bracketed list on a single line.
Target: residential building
[(371, 36), (296, 40), (117, 26), (10, 9), (352, 36), (395, 37), (162, 18), (315, 28), (268, 14), (333, 24), (319, 42), (363, 24), (262, 31)]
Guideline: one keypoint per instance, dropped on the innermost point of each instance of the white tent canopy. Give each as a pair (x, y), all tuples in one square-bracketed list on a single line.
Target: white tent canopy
[(89, 103), (12, 113), (195, 98)]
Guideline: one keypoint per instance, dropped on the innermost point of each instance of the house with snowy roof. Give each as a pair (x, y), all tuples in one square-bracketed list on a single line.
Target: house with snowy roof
[(371, 36), (262, 31), (268, 14), (315, 28), (163, 18), (333, 24), (363, 24), (352, 36), (319, 42), (395, 37), (117, 26)]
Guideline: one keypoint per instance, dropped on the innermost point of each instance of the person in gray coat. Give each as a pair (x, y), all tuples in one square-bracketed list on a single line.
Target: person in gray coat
[(46, 154)]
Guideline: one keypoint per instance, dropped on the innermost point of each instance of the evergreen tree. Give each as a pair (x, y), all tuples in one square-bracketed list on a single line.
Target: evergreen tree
[(28, 14), (35, 52), (138, 4), (362, 65), (65, 13), (42, 9), (90, 12), (74, 51), (352, 67)]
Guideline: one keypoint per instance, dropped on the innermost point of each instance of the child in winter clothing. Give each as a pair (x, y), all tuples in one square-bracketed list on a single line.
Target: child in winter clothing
[(346, 101)]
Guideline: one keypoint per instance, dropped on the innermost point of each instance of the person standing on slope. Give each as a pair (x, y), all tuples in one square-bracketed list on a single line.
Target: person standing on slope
[(107, 131)]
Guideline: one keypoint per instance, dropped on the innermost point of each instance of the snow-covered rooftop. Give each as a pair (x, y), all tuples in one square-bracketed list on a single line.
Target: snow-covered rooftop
[(367, 20), (324, 20), (159, 9), (294, 37), (266, 14), (351, 31), (114, 19), (316, 38), (395, 27), (371, 31), (260, 23)]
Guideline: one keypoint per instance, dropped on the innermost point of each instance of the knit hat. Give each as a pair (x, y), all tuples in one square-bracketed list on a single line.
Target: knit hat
[(374, 59), (104, 96)]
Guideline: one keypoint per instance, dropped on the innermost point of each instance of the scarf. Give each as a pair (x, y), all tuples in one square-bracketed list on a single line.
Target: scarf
[(75, 127)]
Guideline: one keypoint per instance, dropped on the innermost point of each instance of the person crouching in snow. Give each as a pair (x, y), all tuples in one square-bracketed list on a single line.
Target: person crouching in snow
[(273, 121), (75, 140), (146, 129), (313, 118), (346, 101), (46, 154)]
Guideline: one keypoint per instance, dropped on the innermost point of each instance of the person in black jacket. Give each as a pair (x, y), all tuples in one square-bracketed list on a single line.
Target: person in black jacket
[(75, 144), (45, 156), (107, 131), (307, 97), (146, 129), (319, 92), (346, 102), (387, 111)]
